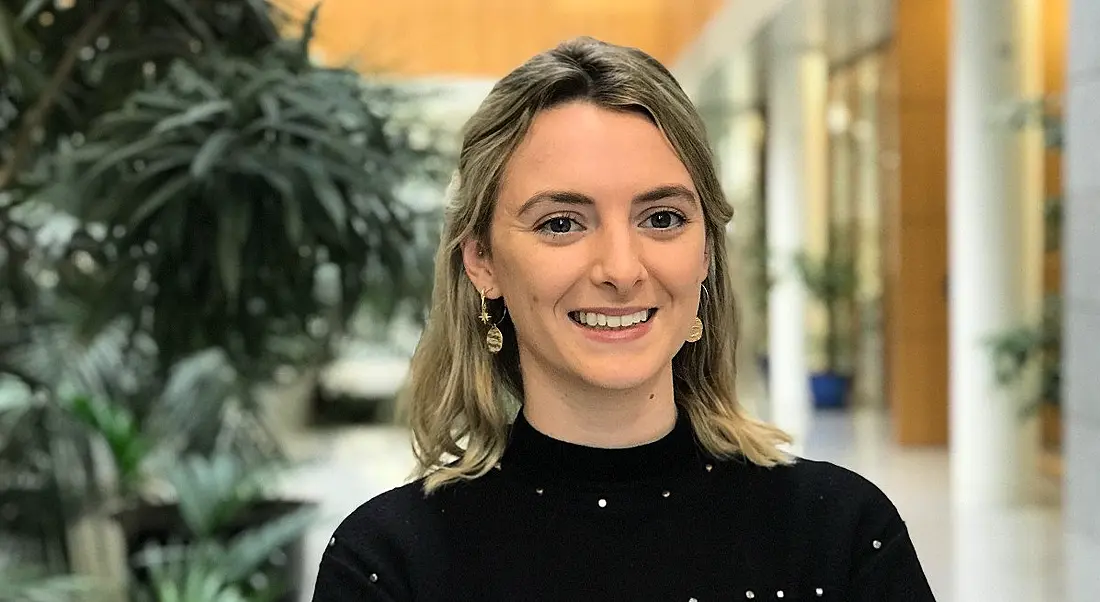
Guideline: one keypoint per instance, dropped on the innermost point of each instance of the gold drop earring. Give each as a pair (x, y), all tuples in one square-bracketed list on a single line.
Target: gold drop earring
[(696, 331), (494, 339)]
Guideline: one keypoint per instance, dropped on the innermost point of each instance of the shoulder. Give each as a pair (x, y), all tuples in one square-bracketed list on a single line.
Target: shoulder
[(849, 524), (388, 515), (816, 482), (379, 547), (828, 498), (411, 522)]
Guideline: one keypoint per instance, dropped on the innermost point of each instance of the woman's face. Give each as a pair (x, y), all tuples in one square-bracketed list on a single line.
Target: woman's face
[(598, 247)]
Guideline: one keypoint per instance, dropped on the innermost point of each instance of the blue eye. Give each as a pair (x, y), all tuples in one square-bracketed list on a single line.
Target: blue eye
[(558, 225), (664, 220)]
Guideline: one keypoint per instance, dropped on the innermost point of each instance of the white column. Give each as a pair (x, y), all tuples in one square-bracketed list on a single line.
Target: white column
[(987, 254), (796, 185), (739, 157)]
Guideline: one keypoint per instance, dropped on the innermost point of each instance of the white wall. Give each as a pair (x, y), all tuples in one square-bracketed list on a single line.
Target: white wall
[(1082, 302)]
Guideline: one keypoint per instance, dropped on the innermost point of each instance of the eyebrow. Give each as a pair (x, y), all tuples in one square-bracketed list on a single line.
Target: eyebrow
[(569, 197)]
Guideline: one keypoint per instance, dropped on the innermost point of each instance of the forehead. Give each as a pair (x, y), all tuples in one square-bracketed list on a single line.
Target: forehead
[(593, 150)]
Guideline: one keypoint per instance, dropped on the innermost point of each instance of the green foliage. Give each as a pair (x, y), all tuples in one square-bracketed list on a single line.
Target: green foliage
[(66, 64), (1017, 350), (1052, 224), (232, 186), (186, 203), (214, 491), (118, 428), (829, 280), (833, 282), (1043, 112), (210, 571), (32, 586)]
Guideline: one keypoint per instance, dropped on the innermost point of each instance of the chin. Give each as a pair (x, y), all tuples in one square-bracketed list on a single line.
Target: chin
[(614, 376)]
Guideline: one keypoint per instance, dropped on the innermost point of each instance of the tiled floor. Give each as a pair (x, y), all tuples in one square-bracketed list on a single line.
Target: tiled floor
[(991, 555)]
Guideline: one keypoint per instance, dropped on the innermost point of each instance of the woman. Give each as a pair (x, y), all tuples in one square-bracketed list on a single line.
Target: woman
[(572, 397)]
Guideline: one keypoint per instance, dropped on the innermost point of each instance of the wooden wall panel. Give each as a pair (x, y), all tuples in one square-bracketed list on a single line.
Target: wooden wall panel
[(1055, 30), (915, 232), (488, 38)]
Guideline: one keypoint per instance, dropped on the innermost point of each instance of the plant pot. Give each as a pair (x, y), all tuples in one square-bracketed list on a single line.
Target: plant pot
[(148, 524), (830, 390)]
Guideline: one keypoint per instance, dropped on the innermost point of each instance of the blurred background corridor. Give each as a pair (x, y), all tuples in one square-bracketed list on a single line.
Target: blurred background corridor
[(218, 220)]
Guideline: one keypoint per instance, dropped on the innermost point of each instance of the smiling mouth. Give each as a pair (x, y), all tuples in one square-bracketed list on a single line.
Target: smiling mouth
[(605, 322)]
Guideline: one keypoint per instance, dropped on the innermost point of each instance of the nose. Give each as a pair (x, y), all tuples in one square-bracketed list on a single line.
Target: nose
[(618, 262)]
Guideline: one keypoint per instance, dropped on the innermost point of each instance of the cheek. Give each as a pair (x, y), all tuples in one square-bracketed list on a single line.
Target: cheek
[(530, 283), (680, 267)]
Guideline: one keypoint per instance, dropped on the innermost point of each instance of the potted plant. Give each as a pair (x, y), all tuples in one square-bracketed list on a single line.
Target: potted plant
[(200, 150), (171, 487), (832, 281)]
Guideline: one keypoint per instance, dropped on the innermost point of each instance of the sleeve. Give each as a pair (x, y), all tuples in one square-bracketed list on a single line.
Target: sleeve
[(885, 566), (360, 564)]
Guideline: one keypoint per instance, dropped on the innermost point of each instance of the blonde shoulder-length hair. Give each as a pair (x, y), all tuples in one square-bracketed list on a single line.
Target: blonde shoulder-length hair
[(459, 399)]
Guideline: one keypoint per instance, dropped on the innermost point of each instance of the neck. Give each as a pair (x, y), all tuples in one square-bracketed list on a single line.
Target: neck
[(597, 417)]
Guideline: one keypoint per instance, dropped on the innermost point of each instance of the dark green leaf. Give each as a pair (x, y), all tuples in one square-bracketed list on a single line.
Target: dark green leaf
[(157, 100), (194, 115), (328, 140), (115, 158), (332, 200), (138, 118), (234, 223), (168, 192), (211, 153), (194, 22), (269, 105), (251, 548), (292, 214), (259, 84), (7, 38)]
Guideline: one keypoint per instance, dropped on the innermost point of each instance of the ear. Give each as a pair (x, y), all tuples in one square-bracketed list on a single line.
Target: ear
[(479, 268)]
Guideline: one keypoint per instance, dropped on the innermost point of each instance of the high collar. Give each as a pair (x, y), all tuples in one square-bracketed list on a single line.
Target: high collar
[(544, 457)]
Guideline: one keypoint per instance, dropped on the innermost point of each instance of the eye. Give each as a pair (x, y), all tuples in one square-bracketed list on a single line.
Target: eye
[(664, 220), (559, 225)]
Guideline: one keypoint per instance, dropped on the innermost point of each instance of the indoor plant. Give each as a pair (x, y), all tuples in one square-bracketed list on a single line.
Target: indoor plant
[(832, 281)]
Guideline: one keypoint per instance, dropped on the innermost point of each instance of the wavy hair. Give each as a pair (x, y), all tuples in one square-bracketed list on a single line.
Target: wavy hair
[(459, 399)]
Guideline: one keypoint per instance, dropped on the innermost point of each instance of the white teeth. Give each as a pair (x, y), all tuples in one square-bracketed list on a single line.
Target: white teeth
[(595, 319)]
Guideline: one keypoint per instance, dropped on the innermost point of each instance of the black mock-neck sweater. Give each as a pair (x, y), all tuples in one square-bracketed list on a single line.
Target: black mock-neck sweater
[(661, 521)]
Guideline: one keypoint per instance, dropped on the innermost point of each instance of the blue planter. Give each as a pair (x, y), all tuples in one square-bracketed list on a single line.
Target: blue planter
[(830, 390)]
